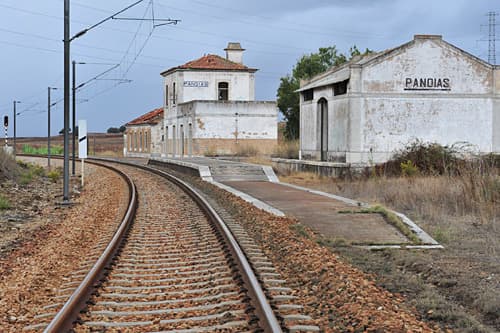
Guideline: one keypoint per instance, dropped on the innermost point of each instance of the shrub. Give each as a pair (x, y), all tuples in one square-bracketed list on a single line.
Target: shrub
[(428, 158)]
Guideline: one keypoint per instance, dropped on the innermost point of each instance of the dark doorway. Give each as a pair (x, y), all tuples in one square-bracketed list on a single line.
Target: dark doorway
[(323, 127)]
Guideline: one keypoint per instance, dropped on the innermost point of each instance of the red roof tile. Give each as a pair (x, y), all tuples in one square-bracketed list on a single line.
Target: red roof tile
[(152, 117), (212, 62)]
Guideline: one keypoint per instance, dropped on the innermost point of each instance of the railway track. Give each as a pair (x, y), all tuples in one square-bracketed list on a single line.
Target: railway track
[(174, 267)]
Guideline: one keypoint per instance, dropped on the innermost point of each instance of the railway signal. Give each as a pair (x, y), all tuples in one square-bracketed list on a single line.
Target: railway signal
[(5, 126)]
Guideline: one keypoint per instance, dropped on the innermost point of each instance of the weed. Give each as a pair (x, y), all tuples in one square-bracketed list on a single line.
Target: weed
[(408, 169), (246, 150), (4, 203), (394, 220), (441, 235), (25, 178), (287, 149), (333, 242), (211, 151), (300, 230), (54, 175)]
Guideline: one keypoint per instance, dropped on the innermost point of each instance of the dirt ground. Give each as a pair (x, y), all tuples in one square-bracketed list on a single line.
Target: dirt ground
[(43, 242), (458, 286)]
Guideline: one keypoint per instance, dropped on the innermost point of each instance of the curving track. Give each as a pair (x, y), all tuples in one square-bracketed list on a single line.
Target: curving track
[(177, 269)]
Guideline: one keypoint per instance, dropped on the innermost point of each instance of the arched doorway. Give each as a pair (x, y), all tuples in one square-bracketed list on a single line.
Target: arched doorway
[(323, 128)]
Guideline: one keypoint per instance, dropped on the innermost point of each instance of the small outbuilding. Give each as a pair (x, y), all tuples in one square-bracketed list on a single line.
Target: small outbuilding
[(143, 135), (426, 89)]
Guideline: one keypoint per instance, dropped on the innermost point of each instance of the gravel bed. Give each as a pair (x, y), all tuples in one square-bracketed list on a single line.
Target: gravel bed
[(339, 297), (42, 259)]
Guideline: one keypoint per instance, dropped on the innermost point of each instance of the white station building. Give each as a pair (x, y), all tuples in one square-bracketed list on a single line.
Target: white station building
[(210, 107), (426, 89)]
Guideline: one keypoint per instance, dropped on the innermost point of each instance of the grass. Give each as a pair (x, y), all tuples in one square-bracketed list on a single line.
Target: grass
[(300, 230), (29, 171), (287, 149), (54, 150), (4, 203), (54, 175)]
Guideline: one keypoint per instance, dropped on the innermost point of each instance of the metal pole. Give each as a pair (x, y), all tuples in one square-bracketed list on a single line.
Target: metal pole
[(73, 119), (48, 129), (15, 102), (66, 102)]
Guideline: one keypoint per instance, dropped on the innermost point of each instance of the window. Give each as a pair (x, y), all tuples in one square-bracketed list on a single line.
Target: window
[(340, 88), (173, 94), (140, 142), (223, 91), (166, 95), (308, 95)]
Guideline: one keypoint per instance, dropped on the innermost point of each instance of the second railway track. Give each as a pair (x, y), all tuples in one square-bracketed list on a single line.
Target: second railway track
[(176, 270)]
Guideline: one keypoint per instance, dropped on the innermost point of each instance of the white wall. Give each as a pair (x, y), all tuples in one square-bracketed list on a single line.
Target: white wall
[(381, 113), (255, 120)]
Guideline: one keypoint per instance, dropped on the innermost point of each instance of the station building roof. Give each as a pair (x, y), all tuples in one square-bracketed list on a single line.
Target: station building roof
[(211, 62), (150, 118)]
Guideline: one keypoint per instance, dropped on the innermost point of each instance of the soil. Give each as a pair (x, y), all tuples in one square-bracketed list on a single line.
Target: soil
[(43, 242)]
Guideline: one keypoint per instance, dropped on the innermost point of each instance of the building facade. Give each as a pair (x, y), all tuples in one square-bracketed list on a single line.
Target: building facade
[(143, 136), (210, 107), (426, 89)]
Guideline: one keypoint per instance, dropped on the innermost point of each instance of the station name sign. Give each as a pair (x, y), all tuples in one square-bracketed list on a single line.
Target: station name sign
[(196, 84), (430, 83)]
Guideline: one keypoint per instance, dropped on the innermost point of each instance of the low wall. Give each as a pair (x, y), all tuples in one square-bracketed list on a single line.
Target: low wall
[(327, 169)]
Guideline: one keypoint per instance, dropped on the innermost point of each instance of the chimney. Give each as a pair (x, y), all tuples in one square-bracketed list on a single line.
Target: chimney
[(234, 52)]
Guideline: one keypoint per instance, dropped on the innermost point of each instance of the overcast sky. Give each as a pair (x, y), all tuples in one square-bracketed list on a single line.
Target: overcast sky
[(275, 33)]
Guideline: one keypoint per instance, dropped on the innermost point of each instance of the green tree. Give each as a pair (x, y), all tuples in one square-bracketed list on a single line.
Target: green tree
[(113, 130), (307, 67)]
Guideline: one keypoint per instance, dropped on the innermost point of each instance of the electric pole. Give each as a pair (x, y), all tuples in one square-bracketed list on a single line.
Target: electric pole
[(15, 114), (66, 103), (492, 38), (73, 119), (49, 105)]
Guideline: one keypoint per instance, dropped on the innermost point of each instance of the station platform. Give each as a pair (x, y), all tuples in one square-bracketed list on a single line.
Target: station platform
[(332, 216)]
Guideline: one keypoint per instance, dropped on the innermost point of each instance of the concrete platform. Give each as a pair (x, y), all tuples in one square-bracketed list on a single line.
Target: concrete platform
[(332, 216), (324, 215)]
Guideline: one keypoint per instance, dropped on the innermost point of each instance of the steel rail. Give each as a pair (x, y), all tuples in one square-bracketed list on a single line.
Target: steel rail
[(267, 319), (63, 321)]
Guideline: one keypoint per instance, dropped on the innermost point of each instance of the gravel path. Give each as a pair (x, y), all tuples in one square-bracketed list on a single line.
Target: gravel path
[(31, 273)]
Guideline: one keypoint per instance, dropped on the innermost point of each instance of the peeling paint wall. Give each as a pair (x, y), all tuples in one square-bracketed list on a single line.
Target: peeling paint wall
[(425, 89)]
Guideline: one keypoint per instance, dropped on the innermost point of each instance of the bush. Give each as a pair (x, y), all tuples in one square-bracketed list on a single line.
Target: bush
[(427, 158)]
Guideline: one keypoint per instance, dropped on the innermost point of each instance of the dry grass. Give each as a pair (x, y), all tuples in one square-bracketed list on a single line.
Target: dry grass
[(287, 149), (458, 286)]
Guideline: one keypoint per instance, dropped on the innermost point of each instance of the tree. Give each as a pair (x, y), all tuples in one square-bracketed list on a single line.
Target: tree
[(307, 67), (113, 130), (122, 128)]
